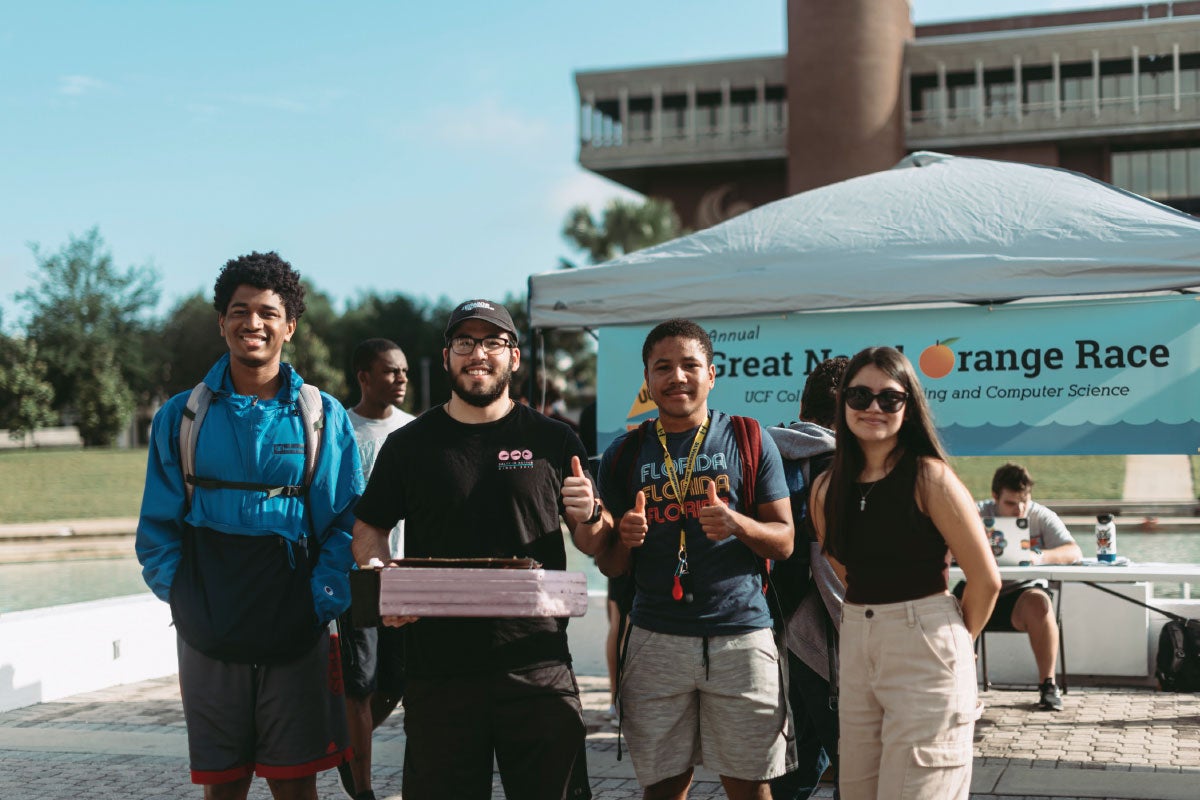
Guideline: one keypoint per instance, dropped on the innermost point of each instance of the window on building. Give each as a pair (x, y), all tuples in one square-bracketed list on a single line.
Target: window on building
[(1170, 176), (962, 101), (931, 102), (1077, 93), (1116, 90), (744, 108), (1039, 97), (1188, 84), (1177, 173), (1002, 100), (776, 109), (708, 114), (674, 119), (1156, 78)]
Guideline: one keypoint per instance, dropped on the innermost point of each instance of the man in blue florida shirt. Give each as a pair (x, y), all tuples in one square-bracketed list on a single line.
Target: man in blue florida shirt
[(252, 553), (702, 680)]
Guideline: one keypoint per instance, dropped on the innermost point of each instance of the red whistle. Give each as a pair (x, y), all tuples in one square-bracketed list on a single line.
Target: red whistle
[(677, 589)]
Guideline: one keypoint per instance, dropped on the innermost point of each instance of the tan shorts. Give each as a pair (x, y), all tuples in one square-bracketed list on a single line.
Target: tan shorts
[(908, 701), (687, 700)]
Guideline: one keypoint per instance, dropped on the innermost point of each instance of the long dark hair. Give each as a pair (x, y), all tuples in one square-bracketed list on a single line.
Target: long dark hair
[(917, 438)]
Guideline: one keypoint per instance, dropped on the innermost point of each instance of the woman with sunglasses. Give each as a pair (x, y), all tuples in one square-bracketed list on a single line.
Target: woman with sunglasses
[(889, 513)]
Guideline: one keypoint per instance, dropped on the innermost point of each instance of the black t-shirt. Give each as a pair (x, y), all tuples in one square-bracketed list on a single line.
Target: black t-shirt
[(471, 491)]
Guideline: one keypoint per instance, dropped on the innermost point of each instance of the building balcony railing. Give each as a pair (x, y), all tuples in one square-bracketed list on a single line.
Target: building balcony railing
[(731, 110), (1034, 121), (706, 134)]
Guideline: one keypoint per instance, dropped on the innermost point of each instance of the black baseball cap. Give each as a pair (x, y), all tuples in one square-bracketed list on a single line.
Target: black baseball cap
[(485, 310)]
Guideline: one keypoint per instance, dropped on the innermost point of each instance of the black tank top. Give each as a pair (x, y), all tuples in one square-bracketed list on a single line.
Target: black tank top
[(893, 551)]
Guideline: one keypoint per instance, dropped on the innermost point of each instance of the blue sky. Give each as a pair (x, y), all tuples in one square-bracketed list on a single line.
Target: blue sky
[(421, 147)]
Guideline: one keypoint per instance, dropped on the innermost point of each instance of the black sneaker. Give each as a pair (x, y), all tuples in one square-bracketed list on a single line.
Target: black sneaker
[(366, 795), (347, 778), (1051, 696)]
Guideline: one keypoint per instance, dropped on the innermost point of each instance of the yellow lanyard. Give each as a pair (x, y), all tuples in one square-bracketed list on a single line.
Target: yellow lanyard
[(673, 477)]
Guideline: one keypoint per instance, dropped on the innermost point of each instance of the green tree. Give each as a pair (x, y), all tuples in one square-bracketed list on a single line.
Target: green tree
[(623, 227), (309, 351), (26, 398), (89, 317), (104, 402), (415, 325), (187, 344)]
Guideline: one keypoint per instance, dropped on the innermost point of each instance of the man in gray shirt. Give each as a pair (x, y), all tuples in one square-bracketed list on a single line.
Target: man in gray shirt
[(1026, 605)]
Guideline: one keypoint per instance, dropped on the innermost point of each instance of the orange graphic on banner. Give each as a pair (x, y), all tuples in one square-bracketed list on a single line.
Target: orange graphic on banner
[(642, 404)]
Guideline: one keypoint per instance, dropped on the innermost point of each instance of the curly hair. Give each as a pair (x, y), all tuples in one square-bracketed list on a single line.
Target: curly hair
[(819, 400), (262, 271)]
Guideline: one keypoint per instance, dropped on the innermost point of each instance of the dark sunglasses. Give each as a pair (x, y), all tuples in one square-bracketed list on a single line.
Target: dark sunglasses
[(860, 398)]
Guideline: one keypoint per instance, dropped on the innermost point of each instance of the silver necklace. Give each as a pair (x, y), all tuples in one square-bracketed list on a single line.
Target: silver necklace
[(862, 496)]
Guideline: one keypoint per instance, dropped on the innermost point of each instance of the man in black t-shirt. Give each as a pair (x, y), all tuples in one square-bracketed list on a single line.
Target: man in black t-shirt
[(483, 476)]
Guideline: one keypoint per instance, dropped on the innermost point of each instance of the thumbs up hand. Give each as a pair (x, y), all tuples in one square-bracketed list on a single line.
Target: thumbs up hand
[(716, 519), (633, 527), (579, 497)]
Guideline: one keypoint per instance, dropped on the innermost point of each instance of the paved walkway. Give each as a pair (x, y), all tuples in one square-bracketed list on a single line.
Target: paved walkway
[(128, 742)]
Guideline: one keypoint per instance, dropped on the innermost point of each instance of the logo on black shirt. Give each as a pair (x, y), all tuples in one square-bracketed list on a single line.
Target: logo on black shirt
[(515, 459)]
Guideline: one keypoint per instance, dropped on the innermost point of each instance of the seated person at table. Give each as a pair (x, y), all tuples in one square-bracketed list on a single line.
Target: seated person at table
[(1026, 605)]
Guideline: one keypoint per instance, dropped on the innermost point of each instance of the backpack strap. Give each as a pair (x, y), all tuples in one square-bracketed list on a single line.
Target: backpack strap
[(189, 431), (1165, 613), (626, 458), (623, 466), (311, 412), (748, 434)]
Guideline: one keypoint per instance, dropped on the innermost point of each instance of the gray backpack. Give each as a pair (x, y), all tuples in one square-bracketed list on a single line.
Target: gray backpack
[(189, 432)]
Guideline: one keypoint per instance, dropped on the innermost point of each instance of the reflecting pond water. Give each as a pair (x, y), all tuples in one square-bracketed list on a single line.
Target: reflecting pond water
[(25, 586), (52, 583)]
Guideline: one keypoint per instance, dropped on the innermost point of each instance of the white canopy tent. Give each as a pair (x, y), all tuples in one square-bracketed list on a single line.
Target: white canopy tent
[(935, 228)]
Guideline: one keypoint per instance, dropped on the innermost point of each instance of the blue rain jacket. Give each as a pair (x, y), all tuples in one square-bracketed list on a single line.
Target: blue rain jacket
[(260, 441)]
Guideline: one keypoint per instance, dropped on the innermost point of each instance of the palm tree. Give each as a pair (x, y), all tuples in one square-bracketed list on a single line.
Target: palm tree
[(624, 226)]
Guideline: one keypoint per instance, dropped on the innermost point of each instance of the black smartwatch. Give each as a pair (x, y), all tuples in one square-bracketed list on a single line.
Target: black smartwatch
[(597, 512)]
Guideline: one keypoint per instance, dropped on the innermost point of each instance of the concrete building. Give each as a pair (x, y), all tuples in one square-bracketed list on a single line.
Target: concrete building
[(1113, 93)]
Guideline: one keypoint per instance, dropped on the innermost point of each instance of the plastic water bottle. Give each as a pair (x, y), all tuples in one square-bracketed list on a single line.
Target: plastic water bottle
[(1106, 538)]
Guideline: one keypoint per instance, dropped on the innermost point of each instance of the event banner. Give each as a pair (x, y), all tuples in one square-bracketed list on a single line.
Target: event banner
[(1075, 377)]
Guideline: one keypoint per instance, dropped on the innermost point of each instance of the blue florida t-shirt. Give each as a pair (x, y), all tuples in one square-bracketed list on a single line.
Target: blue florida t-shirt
[(726, 582)]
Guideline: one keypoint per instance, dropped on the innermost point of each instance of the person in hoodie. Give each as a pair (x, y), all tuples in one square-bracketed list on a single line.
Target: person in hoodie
[(255, 565), (812, 615)]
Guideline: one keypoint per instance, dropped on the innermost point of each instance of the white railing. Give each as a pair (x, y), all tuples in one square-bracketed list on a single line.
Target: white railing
[(996, 113), (708, 123)]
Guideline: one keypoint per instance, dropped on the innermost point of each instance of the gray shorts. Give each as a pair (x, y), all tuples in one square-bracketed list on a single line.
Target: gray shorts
[(687, 700), (280, 720)]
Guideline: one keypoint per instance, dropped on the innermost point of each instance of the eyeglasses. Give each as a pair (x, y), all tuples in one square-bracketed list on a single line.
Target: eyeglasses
[(465, 345), (860, 398)]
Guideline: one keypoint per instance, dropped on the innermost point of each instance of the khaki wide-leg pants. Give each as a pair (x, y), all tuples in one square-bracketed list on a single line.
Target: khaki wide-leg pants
[(908, 704)]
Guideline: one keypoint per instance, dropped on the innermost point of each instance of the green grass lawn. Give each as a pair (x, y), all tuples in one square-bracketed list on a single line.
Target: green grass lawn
[(1054, 477), (40, 485), (43, 485)]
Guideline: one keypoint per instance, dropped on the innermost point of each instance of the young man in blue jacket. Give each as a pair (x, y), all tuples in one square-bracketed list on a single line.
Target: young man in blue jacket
[(251, 554)]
